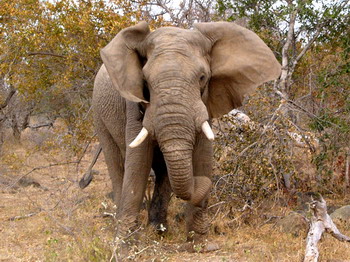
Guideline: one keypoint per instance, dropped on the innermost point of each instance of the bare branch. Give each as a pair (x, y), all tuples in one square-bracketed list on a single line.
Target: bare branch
[(24, 216), (45, 54), (41, 125), (8, 98), (38, 168)]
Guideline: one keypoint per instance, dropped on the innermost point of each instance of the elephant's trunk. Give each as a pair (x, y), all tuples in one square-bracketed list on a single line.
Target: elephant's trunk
[(179, 165), (175, 132), (180, 170)]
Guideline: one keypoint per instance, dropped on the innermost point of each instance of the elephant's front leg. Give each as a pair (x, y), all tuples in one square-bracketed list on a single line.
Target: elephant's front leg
[(196, 216), (138, 163)]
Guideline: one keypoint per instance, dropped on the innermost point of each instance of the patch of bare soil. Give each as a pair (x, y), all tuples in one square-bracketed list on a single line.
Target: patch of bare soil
[(45, 216)]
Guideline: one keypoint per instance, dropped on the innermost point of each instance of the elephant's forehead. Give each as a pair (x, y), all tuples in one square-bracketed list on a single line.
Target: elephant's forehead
[(168, 36)]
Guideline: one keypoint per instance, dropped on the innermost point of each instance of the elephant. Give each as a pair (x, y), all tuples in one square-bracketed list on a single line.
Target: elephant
[(153, 101)]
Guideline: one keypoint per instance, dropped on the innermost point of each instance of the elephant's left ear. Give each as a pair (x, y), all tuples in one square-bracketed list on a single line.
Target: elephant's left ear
[(240, 61)]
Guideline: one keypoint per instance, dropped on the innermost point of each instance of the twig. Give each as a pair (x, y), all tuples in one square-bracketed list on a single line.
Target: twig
[(274, 172), (269, 218), (41, 125), (217, 211), (106, 214), (24, 216), (38, 168), (45, 54), (120, 241), (217, 204), (248, 147), (139, 252)]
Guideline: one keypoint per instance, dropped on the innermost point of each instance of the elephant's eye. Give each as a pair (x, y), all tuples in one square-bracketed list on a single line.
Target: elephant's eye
[(202, 78)]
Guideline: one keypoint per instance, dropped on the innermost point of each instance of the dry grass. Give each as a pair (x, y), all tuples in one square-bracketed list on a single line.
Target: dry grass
[(68, 224)]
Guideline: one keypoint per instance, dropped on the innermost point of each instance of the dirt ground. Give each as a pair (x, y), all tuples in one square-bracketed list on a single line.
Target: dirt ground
[(45, 216)]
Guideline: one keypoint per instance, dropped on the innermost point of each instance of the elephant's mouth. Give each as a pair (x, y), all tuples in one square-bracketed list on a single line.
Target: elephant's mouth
[(206, 129), (169, 118)]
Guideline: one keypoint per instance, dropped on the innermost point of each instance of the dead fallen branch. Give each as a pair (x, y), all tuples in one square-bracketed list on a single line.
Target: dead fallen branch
[(24, 216), (320, 222), (39, 168)]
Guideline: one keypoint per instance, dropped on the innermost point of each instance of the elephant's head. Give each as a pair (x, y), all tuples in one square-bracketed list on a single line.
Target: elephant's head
[(185, 77)]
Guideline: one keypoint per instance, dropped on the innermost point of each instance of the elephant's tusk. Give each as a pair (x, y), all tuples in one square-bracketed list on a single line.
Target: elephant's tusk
[(140, 138), (207, 131)]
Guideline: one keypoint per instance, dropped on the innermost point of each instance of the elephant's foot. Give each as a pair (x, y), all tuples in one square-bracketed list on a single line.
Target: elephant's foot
[(199, 243), (158, 211), (157, 219), (124, 249), (127, 229), (198, 226), (197, 220), (161, 228)]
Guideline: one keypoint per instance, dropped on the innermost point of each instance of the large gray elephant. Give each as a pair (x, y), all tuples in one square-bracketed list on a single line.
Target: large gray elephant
[(153, 100)]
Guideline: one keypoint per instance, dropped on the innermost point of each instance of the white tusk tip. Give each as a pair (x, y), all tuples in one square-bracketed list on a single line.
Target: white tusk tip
[(208, 131), (139, 138), (132, 145)]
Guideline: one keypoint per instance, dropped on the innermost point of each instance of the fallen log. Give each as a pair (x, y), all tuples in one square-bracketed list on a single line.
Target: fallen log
[(320, 222)]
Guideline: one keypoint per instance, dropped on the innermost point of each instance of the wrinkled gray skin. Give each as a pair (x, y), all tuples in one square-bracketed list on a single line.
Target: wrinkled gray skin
[(170, 81)]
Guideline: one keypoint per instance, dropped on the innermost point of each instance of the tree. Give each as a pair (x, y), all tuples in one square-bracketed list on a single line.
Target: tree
[(50, 55), (311, 40), (166, 12)]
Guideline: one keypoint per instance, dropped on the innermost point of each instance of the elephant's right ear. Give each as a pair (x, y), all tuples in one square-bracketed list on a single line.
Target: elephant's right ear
[(123, 63)]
